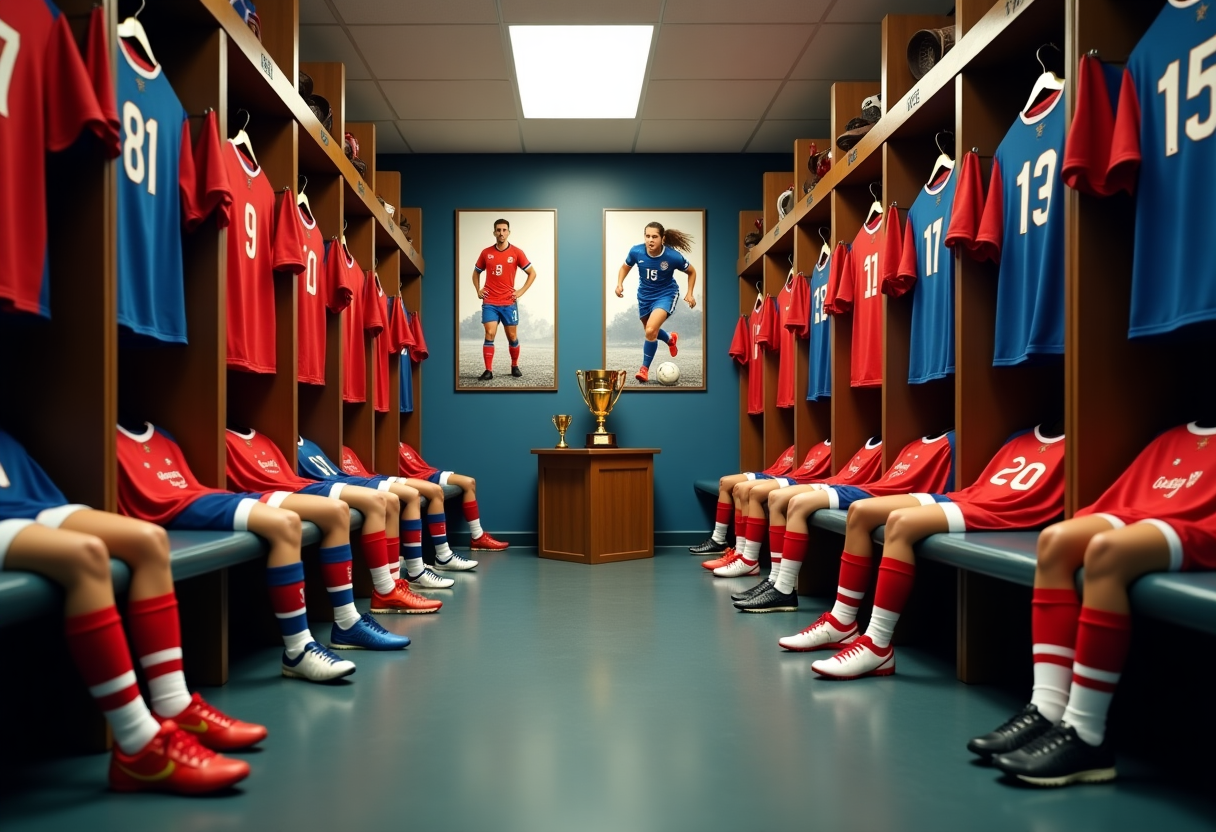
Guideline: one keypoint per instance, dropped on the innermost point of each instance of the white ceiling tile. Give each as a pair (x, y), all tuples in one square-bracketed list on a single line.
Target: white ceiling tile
[(779, 136), (873, 11), (388, 12), (329, 43), (739, 100), (365, 103), (315, 12), (843, 52), (388, 138), (579, 135), (803, 100), (722, 51), (432, 52), (565, 12), (477, 100), (462, 136), (753, 11), (694, 136)]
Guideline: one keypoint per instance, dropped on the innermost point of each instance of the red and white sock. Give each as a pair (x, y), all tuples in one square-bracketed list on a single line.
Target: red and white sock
[(487, 353), (392, 549), (776, 542), (473, 517), (1102, 642), (854, 581), (375, 552), (895, 579), (99, 648), (794, 549), (721, 522), (756, 528), (411, 547), (437, 525), (339, 586), (513, 349), (156, 635), (1053, 626), (740, 530)]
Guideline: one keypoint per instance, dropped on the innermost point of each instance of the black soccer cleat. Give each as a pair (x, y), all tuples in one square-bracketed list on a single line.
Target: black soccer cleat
[(753, 592), (770, 600), (515, 371), (486, 376), (1059, 758), (1026, 725), (708, 547)]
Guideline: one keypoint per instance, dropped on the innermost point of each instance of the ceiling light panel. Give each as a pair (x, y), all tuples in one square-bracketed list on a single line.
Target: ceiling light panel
[(580, 71)]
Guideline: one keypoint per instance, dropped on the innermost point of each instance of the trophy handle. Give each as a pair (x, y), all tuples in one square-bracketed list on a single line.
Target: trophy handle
[(622, 375), (579, 375)]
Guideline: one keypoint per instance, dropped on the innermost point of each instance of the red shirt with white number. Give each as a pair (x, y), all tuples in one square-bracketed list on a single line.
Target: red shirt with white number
[(1022, 487), (755, 333), (785, 338), (499, 268), (858, 290), (321, 287), (354, 349)]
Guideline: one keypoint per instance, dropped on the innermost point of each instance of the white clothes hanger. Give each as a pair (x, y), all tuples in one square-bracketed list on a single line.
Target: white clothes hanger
[(875, 207), (825, 253), (132, 28), (242, 138), (302, 198), (1047, 81), (944, 162)]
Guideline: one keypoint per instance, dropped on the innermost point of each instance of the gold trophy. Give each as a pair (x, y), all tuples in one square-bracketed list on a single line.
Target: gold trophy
[(561, 423), (597, 387)]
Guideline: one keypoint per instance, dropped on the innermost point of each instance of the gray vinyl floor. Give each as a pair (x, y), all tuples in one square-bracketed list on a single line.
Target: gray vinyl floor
[(556, 696)]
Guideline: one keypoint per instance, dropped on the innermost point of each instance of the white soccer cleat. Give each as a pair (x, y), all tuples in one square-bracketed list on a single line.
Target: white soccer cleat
[(316, 664), (427, 579), (825, 634), (861, 658), (455, 564), (737, 568)]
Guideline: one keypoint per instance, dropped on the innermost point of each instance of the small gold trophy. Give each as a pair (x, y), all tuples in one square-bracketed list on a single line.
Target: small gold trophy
[(561, 423), (597, 387)]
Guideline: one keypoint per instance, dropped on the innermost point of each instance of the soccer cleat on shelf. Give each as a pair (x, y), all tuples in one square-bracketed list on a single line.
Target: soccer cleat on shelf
[(671, 343), (427, 579), (861, 658), (737, 568), (770, 600), (215, 729), (403, 600), (751, 592), (515, 371), (174, 761), (1059, 758), (366, 634), (708, 547), (643, 375), (485, 543), (316, 664), (486, 376), (455, 563), (825, 634), (1023, 727), (729, 556)]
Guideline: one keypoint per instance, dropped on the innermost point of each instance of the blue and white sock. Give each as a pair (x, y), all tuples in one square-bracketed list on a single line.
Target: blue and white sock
[(648, 350)]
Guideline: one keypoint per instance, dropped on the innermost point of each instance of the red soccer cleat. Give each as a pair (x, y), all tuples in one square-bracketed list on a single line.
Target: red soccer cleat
[(671, 343), (403, 600), (215, 729), (485, 543), (174, 761), (729, 556), (643, 375)]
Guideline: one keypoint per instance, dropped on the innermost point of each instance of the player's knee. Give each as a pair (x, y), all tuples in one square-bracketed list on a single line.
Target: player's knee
[(285, 527), (338, 514), (1051, 549), (153, 545), (862, 516), (899, 525), (471, 485), (392, 504), (92, 560), (1103, 560)]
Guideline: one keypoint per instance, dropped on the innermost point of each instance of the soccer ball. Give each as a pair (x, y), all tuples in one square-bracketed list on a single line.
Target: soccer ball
[(668, 373)]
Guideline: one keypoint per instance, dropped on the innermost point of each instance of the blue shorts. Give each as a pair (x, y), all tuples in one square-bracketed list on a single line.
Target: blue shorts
[(843, 496), (440, 477), (665, 302), (325, 488), (217, 513), (374, 483), (507, 315)]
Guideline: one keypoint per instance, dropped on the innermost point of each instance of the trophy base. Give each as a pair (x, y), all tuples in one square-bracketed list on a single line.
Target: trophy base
[(601, 440)]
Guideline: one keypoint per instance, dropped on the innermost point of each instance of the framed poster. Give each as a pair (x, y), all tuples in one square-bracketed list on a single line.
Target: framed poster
[(654, 265), (506, 299)]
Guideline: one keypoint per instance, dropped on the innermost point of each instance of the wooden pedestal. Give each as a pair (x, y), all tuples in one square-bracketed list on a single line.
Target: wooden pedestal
[(595, 505)]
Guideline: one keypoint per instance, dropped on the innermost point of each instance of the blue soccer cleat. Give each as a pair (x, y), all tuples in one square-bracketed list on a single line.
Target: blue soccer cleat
[(366, 634)]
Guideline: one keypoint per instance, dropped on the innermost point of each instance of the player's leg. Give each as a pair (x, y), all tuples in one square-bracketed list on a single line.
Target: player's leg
[(1076, 750), (652, 324), (154, 625), (1055, 609), (303, 656), (409, 562), (751, 494), (872, 655), (725, 506), (80, 563), (481, 539), (445, 559), (837, 628), (489, 321), (512, 330)]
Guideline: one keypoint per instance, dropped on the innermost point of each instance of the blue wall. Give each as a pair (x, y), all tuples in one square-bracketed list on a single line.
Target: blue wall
[(489, 435)]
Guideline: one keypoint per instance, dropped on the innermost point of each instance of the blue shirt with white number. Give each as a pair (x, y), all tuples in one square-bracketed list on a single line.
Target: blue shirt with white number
[(656, 275)]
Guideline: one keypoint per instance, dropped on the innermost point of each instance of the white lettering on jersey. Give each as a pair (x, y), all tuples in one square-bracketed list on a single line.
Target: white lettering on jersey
[(898, 470), (1176, 484), (10, 45), (174, 478), (4, 481), (270, 465)]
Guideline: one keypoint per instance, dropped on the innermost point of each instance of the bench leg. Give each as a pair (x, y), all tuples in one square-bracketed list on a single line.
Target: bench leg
[(316, 596), (203, 602), (820, 571), (993, 629), (361, 578)]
